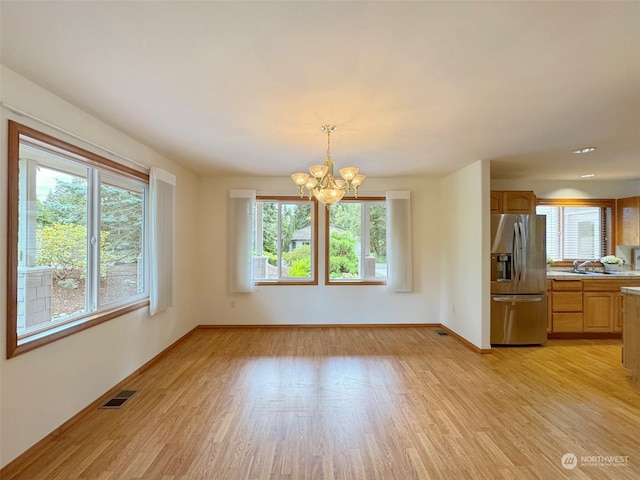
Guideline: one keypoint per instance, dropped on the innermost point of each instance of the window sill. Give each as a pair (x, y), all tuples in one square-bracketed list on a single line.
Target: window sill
[(17, 346), (285, 283)]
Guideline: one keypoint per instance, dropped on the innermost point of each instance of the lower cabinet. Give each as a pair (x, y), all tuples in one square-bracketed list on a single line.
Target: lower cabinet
[(618, 311), (631, 335), (566, 306), (593, 306), (598, 311)]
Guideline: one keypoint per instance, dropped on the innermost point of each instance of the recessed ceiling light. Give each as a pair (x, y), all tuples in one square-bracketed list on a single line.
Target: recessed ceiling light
[(584, 150), (588, 175)]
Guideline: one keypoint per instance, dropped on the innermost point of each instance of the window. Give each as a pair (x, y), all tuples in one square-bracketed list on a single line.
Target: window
[(77, 239), (285, 241), (577, 229), (356, 242)]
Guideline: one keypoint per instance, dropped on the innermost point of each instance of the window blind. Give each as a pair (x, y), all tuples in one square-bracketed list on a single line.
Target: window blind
[(577, 232)]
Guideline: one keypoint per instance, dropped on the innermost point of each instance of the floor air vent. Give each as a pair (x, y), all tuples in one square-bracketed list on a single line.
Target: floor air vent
[(118, 400), (441, 332)]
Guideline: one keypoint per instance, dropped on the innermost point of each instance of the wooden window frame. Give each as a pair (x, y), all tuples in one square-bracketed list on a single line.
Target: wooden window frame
[(583, 202), (14, 345)]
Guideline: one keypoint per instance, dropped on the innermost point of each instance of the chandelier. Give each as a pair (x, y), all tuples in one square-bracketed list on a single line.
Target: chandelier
[(321, 183)]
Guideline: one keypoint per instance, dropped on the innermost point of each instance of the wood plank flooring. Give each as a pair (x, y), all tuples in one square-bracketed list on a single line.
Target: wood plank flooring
[(358, 403)]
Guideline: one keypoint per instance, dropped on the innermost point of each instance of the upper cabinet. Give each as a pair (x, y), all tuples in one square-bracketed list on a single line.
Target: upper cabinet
[(513, 201), (628, 221)]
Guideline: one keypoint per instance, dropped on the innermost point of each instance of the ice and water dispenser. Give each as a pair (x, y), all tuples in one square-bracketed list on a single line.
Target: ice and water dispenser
[(501, 267)]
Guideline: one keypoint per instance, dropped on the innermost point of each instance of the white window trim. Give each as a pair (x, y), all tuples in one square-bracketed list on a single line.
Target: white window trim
[(364, 248)]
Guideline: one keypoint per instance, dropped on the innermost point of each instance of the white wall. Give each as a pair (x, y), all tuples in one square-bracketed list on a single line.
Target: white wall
[(319, 304), (465, 254), (587, 188), (43, 388)]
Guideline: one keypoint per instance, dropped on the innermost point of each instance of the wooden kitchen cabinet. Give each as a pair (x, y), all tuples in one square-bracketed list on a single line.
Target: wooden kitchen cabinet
[(628, 221), (588, 308), (513, 201), (496, 201), (549, 306), (631, 335), (618, 311), (598, 311), (566, 306)]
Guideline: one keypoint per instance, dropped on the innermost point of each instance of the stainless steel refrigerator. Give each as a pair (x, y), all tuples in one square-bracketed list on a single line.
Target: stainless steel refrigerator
[(518, 280)]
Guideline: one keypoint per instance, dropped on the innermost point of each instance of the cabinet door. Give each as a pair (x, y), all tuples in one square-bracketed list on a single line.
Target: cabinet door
[(618, 311), (496, 201), (549, 307), (598, 311), (518, 202), (631, 334), (628, 221)]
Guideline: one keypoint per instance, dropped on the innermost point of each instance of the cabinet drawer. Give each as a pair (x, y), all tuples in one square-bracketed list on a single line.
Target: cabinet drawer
[(609, 284), (567, 285), (567, 322), (566, 301)]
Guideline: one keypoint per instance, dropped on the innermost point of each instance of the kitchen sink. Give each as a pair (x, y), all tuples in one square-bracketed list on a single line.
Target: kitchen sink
[(599, 274)]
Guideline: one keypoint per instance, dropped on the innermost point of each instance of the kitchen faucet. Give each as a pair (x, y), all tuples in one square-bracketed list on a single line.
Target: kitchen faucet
[(577, 265)]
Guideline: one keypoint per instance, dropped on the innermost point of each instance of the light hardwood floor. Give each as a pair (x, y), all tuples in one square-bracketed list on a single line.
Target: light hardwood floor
[(358, 403)]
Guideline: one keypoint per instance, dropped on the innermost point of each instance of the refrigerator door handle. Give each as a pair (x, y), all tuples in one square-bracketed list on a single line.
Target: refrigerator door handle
[(518, 299), (517, 251)]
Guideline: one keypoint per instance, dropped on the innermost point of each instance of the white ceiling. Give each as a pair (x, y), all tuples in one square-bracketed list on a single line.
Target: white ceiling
[(415, 88)]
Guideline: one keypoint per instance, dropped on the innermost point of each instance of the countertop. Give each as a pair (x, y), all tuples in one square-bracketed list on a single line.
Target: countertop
[(631, 290), (559, 274)]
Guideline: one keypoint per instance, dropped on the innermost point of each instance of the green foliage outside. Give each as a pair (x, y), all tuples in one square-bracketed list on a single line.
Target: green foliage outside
[(378, 232), (121, 216), (293, 217), (301, 268), (343, 261), (270, 230), (345, 217), (271, 258), (61, 234), (66, 203), (64, 247), (299, 261)]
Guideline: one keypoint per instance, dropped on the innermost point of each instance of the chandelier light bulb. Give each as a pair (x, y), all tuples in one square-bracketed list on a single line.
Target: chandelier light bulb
[(318, 171), (348, 173), (299, 178)]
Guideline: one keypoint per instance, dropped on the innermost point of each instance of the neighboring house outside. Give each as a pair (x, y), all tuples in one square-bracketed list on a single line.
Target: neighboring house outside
[(303, 237)]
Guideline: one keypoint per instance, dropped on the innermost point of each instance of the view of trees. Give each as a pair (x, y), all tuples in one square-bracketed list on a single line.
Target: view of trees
[(346, 217), (343, 260), (294, 217), (61, 233), (345, 238)]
